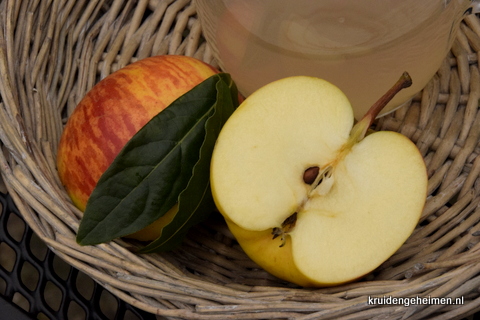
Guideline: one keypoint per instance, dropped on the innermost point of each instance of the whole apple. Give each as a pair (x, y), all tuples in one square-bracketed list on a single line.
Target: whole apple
[(112, 112)]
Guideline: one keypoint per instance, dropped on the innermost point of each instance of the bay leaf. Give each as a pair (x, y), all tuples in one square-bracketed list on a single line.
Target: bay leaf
[(195, 202)]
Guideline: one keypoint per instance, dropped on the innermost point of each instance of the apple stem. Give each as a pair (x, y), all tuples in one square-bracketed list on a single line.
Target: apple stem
[(360, 129), (403, 82)]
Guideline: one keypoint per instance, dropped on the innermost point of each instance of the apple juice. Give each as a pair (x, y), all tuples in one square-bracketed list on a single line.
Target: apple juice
[(360, 46)]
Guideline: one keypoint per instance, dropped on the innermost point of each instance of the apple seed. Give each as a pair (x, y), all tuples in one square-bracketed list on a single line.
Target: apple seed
[(310, 175), (276, 232), (287, 226), (289, 223)]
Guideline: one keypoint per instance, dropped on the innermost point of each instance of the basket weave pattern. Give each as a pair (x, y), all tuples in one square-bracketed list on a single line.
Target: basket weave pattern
[(53, 52)]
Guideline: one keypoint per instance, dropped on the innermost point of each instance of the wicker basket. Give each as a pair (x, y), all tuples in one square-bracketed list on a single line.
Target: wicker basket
[(52, 52)]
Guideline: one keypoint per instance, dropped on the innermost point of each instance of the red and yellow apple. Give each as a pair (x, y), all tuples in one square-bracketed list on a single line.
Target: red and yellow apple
[(112, 112), (308, 195)]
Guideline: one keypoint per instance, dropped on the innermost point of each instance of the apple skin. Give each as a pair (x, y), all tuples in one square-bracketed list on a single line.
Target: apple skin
[(273, 256), (267, 253), (113, 111)]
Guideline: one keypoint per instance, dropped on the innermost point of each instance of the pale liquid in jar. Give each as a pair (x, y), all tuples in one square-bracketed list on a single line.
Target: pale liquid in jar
[(363, 49)]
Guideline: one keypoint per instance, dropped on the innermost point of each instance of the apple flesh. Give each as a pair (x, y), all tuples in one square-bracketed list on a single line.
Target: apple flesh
[(307, 197), (112, 112)]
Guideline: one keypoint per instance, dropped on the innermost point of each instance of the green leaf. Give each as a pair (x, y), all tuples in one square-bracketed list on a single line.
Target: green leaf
[(147, 177), (196, 201)]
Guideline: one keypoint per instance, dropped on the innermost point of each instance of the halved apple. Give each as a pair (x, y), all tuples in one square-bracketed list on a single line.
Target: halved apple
[(308, 198)]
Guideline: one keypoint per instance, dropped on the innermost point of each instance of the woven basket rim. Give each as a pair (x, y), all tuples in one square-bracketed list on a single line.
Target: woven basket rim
[(52, 52)]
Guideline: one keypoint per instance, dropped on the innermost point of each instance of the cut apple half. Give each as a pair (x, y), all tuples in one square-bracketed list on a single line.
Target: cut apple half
[(307, 197)]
